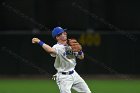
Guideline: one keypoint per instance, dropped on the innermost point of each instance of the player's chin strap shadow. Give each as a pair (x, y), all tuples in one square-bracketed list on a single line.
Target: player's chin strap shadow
[(111, 70)]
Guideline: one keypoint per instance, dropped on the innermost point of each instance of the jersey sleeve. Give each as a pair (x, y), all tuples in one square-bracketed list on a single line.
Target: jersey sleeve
[(77, 55), (56, 50)]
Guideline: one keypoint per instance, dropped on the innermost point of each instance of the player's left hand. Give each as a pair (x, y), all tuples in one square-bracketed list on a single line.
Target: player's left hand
[(76, 47)]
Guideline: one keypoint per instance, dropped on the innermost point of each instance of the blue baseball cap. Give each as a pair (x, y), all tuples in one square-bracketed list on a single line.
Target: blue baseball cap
[(56, 31)]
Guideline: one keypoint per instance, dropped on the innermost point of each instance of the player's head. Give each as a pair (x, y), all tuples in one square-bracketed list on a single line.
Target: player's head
[(59, 32)]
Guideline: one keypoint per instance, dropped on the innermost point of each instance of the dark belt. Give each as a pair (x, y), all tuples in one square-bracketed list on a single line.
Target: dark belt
[(68, 73)]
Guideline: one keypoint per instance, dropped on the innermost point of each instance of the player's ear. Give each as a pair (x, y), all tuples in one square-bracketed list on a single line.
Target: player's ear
[(57, 37)]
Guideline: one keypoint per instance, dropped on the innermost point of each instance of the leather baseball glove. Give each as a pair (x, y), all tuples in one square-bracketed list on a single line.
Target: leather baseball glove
[(76, 47)]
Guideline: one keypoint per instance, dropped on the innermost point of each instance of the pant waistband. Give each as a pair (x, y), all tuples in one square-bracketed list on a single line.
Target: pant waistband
[(68, 73)]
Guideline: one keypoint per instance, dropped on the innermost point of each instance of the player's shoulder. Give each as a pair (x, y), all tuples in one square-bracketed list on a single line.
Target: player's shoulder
[(58, 45), (55, 45)]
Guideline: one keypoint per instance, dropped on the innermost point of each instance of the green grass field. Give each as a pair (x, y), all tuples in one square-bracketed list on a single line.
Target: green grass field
[(49, 86)]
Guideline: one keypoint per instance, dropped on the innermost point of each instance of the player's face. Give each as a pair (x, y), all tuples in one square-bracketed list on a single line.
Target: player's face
[(62, 36)]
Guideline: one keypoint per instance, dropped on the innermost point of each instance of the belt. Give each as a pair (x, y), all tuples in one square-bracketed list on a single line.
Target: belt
[(68, 73)]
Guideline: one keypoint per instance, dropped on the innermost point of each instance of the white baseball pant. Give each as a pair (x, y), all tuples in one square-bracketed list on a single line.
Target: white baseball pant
[(74, 81)]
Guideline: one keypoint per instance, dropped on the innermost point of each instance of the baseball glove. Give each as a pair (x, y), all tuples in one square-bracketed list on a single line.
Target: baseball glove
[(76, 47)]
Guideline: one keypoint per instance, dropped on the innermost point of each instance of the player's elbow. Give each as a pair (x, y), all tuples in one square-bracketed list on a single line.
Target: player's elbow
[(51, 51)]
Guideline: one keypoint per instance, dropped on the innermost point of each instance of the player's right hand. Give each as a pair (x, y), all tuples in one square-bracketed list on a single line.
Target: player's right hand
[(35, 40)]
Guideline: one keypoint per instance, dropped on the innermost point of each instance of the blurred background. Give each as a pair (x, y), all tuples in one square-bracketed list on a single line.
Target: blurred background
[(109, 32)]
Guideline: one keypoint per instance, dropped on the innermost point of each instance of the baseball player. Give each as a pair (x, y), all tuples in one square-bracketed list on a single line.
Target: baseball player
[(65, 52)]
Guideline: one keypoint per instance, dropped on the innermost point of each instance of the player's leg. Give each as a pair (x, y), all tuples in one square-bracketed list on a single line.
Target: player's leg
[(80, 85), (64, 83)]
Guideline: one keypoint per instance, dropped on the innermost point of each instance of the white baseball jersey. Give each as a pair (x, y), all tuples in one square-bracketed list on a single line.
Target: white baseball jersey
[(65, 58), (66, 61)]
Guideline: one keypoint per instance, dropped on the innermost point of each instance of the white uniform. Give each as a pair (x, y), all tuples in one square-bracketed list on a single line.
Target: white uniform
[(66, 61)]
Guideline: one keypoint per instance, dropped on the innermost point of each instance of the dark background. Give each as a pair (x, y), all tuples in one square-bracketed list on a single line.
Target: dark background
[(116, 22), (122, 13)]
